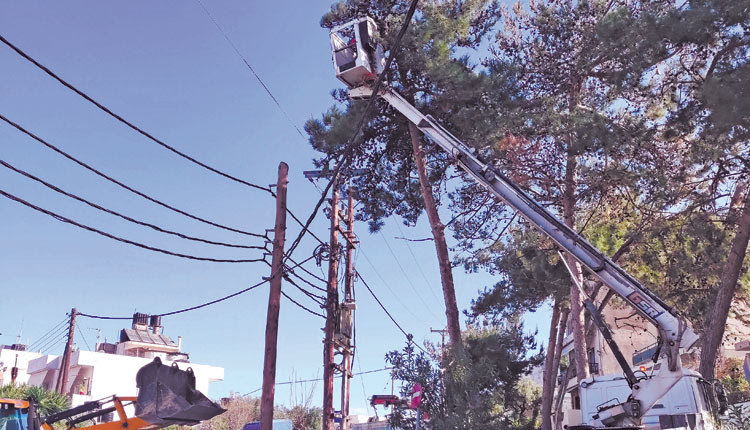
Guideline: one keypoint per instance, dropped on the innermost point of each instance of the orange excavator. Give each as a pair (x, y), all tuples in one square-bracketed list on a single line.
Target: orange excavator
[(166, 396)]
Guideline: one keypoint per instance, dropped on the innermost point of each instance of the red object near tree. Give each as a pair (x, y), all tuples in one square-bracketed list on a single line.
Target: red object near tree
[(416, 396)]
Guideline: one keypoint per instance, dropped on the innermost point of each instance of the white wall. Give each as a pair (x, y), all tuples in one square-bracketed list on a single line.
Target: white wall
[(115, 374), (8, 360), (109, 374)]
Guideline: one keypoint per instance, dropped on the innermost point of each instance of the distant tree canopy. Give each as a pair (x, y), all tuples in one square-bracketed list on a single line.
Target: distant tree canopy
[(480, 386)]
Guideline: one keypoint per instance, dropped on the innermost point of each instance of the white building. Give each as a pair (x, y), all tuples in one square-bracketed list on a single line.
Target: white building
[(111, 369), (15, 356)]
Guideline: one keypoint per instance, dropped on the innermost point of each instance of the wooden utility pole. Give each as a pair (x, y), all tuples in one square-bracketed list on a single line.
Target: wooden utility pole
[(347, 349), (331, 314), (62, 376), (274, 300)]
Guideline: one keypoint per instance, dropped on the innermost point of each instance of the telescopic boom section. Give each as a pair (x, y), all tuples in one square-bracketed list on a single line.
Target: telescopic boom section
[(674, 330)]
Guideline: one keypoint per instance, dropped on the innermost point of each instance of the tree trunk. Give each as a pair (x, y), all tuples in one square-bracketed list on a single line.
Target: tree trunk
[(564, 315), (729, 275), (550, 373), (438, 233), (576, 308)]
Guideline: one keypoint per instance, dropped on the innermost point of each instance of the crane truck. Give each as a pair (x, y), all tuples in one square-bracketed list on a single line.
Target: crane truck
[(166, 396), (358, 60)]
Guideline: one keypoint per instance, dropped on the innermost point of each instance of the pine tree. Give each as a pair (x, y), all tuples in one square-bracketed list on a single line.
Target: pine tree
[(403, 174)]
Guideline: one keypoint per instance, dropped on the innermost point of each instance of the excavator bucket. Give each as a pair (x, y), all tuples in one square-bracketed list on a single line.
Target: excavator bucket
[(167, 395)]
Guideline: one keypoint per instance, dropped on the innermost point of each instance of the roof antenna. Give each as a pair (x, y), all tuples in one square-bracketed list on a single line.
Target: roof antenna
[(20, 333)]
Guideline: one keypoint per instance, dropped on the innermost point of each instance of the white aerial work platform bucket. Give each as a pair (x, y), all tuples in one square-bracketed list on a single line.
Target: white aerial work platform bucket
[(357, 57)]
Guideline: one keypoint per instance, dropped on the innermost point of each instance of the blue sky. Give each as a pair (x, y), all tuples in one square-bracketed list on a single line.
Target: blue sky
[(165, 67)]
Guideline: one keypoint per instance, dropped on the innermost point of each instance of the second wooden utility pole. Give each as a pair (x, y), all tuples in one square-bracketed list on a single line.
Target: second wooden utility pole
[(274, 301), (348, 309), (62, 376), (331, 313)]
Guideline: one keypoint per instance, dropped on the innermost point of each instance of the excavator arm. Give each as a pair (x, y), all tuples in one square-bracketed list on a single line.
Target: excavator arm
[(166, 396)]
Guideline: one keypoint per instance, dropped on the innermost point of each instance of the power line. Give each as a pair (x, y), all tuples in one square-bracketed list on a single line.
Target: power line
[(362, 380), (41, 343), (45, 335), (101, 317), (115, 181), (301, 381), (316, 298), (83, 337), (128, 123), (242, 57), (300, 305), (268, 90), (291, 271), (54, 345), (159, 142), (408, 280), (355, 354), (372, 293), (192, 308), (60, 334), (125, 217), (308, 272), (419, 266), (119, 239), (388, 285)]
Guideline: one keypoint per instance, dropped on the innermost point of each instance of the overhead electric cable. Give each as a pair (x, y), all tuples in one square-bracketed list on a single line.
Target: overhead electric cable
[(307, 271), (54, 345), (60, 335), (362, 380), (320, 300), (128, 123), (301, 381), (62, 331), (192, 308), (115, 181), (125, 217), (45, 335), (408, 279), (119, 239), (350, 147), (419, 266), (291, 272), (244, 60), (388, 285), (300, 305), (270, 94), (372, 293), (83, 337)]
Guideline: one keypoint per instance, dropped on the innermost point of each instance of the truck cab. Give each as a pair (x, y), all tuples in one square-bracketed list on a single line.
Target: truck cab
[(690, 403), (14, 414)]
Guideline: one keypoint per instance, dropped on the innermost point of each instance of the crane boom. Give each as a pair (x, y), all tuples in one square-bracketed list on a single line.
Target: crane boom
[(675, 333), (357, 61), (673, 328)]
